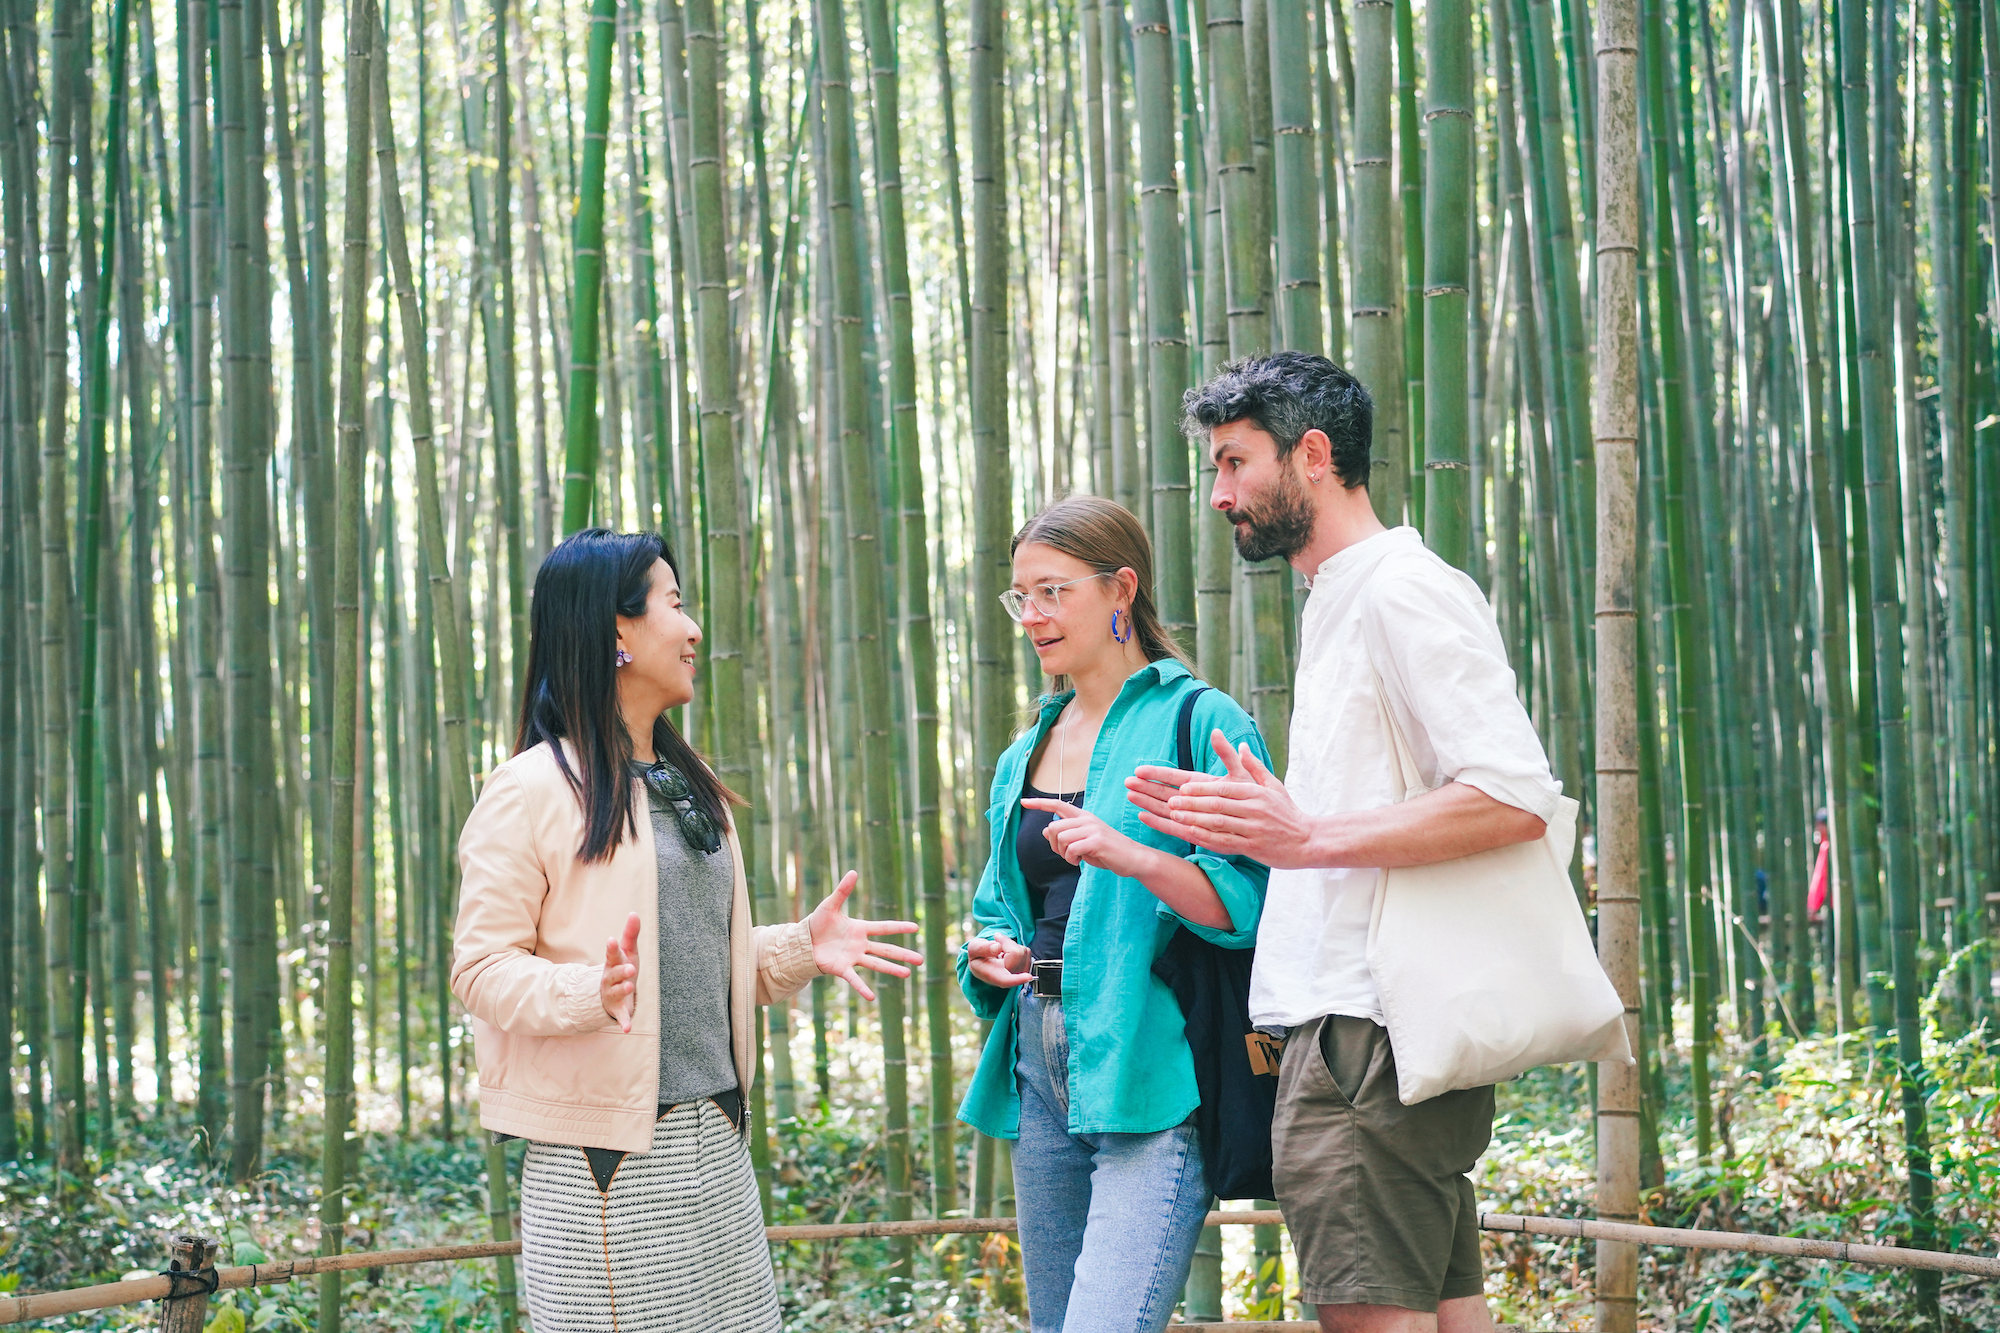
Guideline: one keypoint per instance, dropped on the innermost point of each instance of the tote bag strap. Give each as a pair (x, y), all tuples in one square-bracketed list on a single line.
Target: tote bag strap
[(1409, 777)]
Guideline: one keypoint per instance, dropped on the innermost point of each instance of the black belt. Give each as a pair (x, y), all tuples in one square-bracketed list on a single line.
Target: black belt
[(1048, 978)]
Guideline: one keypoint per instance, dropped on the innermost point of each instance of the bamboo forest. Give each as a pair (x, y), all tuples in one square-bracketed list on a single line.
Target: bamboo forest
[(323, 325)]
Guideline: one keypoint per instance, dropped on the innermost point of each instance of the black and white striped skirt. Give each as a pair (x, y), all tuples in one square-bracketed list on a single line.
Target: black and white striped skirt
[(673, 1242)]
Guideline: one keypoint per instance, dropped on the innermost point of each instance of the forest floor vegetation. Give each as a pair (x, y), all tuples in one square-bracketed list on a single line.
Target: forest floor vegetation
[(1809, 1146)]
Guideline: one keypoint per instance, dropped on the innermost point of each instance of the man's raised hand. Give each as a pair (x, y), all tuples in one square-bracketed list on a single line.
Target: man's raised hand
[(1245, 812)]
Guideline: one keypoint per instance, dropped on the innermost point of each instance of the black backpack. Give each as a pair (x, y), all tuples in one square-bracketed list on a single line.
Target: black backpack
[(1235, 1066)]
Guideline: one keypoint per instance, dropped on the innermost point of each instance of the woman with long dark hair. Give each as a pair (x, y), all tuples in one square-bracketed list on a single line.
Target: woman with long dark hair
[(605, 952)]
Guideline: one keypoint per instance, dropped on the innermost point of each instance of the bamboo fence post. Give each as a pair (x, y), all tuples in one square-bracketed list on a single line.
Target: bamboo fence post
[(188, 1313)]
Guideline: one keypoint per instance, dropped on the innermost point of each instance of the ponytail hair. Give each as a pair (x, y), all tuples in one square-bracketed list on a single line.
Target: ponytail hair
[(1108, 537)]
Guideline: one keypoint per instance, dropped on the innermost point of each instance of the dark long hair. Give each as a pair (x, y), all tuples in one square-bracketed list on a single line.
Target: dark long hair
[(571, 694)]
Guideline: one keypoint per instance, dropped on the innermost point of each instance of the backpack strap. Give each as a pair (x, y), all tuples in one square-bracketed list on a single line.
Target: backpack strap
[(1184, 728)]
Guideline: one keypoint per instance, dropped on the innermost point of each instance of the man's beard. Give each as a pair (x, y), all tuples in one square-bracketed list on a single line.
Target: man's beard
[(1280, 526)]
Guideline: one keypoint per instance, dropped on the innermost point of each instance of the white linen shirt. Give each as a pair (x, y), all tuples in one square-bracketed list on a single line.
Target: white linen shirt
[(1391, 606)]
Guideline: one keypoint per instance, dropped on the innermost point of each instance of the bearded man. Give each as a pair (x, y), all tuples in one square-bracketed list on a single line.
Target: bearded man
[(1376, 1193)]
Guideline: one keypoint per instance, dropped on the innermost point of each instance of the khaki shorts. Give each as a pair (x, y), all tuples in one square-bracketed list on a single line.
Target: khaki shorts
[(1375, 1192)]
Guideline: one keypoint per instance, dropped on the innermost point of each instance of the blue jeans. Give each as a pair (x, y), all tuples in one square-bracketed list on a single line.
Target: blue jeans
[(1108, 1221)]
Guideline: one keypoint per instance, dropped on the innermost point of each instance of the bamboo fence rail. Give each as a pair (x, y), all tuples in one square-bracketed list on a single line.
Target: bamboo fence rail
[(48, 1304)]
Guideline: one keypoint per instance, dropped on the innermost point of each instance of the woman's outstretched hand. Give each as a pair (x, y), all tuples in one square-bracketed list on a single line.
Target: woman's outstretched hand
[(842, 943), (621, 975), (999, 961)]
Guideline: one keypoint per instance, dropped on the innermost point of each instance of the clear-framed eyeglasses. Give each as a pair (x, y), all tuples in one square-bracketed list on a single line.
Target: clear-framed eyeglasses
[(1044, 597)]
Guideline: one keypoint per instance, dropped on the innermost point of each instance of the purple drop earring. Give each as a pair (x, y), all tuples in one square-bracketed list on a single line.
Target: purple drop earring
[(623, 657)]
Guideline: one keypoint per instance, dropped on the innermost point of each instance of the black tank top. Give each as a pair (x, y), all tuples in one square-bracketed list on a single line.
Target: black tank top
[(1051, 880)]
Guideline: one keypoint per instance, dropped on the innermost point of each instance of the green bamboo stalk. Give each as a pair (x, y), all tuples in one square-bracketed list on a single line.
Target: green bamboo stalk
[(1378, 362), (146, 704), (1103, 463), (64, 910), (1550, 181), (1796, 241), (1125, 482), (1166, 314), (723, 561), (587, 266), (1446, 235), (992, 637), (389, 606), (25, 515), (244, 597), (503, 389), (865, 585), (1295, 176), (94, 463), (920, 642), (1214, 542), (120, 878), (13, 720), (1686, 635), (1409, 164), (1245, 235), (1886, 613), (350, 467), (1951, 218)]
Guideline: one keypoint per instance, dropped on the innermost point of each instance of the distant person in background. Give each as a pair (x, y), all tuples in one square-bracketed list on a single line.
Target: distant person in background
[(605, 952), (1822, 871), (1087, 1066)]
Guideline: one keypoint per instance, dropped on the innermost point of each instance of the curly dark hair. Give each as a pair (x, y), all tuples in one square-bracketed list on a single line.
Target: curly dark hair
[(1286, 394)]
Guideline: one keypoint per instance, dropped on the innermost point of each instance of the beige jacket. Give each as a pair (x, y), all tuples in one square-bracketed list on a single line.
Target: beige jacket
[(529, 952)]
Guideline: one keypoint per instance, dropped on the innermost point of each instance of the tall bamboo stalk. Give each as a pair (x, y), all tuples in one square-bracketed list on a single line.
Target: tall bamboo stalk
[(1447, 185), (866, 578), (1886, 613), (1295, 163), (349, 470), (1153, 82), (920, 644), (1616, 412), (1378, 361), (64, 912), (587, 268)]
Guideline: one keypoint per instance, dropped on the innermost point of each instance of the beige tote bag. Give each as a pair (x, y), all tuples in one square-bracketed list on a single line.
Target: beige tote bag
[(1485, 965)]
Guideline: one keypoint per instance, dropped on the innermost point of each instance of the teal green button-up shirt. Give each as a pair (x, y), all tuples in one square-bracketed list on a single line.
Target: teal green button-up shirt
[(1130, 1070)]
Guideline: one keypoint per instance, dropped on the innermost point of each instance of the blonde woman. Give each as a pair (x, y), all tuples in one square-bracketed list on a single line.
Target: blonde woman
[(1087, 1066), (605, 952)]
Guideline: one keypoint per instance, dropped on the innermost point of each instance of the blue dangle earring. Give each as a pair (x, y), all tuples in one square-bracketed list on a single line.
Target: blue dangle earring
[(1121, 634)]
